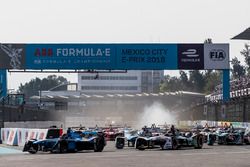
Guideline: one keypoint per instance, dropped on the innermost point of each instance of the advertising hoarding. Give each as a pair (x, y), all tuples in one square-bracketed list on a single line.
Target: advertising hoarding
[(114, 56)]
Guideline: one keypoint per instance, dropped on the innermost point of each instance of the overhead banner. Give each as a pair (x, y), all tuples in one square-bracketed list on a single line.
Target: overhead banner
[(216, 56), (190, 56), (114, 56), (12, 56)]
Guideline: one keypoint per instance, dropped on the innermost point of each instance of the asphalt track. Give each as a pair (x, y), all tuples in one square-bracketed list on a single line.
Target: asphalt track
[(209, 156)]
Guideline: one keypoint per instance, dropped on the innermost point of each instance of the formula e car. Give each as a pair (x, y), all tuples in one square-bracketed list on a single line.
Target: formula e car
[(112, 132), (247, 136), (227, 137), (129, 136), (73, 141), (170, 141), (209, 135)]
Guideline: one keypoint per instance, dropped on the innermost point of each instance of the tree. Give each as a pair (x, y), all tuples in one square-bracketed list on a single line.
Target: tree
[(246, 53), (35, 85), (184, 80), (238, 70), (212, 79), (170, 84), (196, 80)]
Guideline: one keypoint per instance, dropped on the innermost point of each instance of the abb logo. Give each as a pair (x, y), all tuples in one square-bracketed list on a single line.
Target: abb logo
[(43, 52)]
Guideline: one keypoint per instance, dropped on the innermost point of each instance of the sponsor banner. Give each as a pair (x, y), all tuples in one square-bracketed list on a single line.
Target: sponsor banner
[(214, 123), (12, 56), (237, 124), (146, 56), (216, 56), (32, 134), (114, 56), (26, 134), (190, 56), (3, 83), (22, 136), (5, 135), (42, 133), (18, 136), (2, 135), (12, 137), (102, 56), (70, 56)]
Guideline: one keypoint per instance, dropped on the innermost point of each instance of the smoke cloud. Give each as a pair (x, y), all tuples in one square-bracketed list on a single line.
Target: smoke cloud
[(156, 114)]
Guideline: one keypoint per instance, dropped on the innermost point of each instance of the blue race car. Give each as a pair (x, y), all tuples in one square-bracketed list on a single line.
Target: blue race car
[(73, 141)]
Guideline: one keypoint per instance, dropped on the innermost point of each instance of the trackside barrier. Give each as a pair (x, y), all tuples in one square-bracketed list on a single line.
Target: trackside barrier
[(4, 135), (33, 134), (22, 136), (42, 134), (18, 136), (12, 137), (213, 123)]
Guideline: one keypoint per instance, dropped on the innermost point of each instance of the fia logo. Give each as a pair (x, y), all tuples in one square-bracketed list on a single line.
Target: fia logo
[(217, 55), (191, 53)]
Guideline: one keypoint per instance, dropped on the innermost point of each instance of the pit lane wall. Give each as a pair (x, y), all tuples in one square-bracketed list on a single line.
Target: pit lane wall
[(213, 123), (18, 136)]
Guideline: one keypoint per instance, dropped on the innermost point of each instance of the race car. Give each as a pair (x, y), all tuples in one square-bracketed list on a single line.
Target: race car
[(112, 132), (247, 136), (227, 137), (209, 135), (72, 141), (129, 136), (170, 141)]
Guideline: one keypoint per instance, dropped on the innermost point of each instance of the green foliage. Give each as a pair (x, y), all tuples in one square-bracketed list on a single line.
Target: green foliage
[(195, 81), (35, 85), (237, 69), (170, 84), (212, 79), (246, 53)]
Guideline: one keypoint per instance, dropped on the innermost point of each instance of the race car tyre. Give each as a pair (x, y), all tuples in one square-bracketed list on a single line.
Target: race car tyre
[(221, 141), (174, 143), (99, 144), (199, 140), (120, 142), (63, 146), (246, 141), (33, 148), (211, 139), (241, 140), (140, 144)]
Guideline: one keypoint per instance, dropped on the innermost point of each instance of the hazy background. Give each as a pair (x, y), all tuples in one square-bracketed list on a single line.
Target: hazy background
[(116, 21)]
